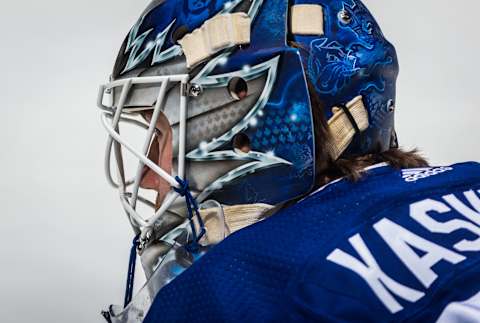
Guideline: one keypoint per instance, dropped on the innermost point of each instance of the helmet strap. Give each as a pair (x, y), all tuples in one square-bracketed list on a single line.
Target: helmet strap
[(346, 122)]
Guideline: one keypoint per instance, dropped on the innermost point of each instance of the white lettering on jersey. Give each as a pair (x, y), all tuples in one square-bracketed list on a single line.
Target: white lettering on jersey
[(420, 212), (400, 240), (472, 215), (414, 174), (370, 271), (466, 312)]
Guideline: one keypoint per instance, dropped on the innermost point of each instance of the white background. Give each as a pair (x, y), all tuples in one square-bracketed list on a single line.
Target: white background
[(64, 242)]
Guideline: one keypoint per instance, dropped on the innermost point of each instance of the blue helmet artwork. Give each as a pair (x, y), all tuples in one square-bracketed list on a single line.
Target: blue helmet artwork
[(231, 77), (353, 58), (222, 91)]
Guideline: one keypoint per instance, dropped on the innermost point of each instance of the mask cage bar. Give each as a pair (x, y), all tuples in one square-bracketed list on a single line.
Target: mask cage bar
[(111, 118), (108, 151)]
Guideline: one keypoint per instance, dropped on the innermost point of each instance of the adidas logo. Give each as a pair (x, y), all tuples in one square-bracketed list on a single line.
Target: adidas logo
[(415, 174)]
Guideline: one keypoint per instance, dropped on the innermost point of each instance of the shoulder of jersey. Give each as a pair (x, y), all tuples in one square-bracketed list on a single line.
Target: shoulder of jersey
[(396, 244), (385, 174)]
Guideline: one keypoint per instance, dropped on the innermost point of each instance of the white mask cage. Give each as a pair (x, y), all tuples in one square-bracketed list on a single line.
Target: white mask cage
[(112, 115)]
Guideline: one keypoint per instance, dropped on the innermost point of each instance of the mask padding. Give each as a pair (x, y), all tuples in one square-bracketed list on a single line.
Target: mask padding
[(216, 34), (306, 19)]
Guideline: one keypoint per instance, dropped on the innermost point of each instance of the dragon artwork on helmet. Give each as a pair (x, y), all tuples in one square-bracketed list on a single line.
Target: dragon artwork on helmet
[(229, 124)]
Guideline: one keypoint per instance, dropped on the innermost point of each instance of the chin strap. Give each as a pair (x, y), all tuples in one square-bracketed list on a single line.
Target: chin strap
[(234, 218), (347, 121), (192, 208), (192, 247), (131, 272)]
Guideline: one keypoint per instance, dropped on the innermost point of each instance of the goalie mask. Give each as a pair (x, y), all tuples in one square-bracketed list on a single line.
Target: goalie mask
[(222, 96)]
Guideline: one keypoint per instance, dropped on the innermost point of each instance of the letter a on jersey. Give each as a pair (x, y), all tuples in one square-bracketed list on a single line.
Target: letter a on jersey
[(381, 284), (401, 241)]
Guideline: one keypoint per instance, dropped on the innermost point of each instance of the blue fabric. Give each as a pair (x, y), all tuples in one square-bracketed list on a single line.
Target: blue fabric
[(277, 270), (131, 272), (192, 209)]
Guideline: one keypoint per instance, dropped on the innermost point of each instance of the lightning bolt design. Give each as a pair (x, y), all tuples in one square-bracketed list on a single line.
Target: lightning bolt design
[(259, 160), (206, 151), (134, 43)]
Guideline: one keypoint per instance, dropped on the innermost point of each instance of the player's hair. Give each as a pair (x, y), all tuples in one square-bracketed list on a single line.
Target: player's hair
[(328, 170)]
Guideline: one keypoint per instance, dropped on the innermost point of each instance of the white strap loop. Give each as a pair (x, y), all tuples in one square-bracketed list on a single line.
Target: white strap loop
[(216, 34)]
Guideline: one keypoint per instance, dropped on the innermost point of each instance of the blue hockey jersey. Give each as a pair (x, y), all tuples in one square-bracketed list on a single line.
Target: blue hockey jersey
[(396, 246)]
